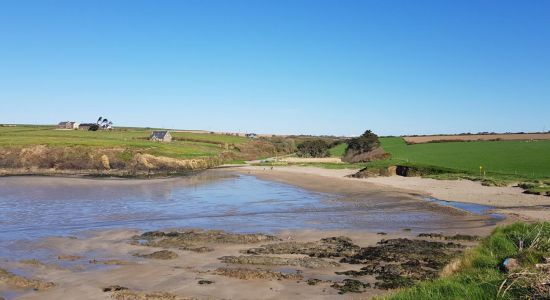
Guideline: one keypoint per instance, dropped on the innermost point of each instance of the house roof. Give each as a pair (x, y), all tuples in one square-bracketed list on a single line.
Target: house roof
[(159, 134)]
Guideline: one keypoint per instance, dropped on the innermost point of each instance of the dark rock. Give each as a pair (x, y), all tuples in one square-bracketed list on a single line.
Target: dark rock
[(204, 281), (313, 281), (327, 247), (365, 173), (431, 235), (393, 282), (163, 254), (14, 280), (463, 237), (114, 288), (199, 240), (306, 262), (248, 274), (111, 262), (350, 286), (401, 262)]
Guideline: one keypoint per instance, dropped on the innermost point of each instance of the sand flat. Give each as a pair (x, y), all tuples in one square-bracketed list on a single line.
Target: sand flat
[(508, 200)]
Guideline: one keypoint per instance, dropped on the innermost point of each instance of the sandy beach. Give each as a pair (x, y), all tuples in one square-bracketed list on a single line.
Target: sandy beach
[(506, 200)]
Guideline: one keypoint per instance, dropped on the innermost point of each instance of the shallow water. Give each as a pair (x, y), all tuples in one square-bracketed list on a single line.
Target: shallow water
[(473, 208), (34, 207)]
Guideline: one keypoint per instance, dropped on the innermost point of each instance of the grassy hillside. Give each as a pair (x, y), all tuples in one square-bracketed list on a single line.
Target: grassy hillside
[(186, 145), (528, 159), (28, 149)]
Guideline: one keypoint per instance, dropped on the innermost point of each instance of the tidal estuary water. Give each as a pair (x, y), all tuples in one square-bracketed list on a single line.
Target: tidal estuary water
[(35, 207)]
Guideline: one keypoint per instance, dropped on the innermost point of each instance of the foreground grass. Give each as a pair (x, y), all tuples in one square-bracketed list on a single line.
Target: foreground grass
[(478, 275)]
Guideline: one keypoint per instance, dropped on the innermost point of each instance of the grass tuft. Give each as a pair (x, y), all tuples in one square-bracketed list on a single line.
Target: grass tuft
[(478, 275)]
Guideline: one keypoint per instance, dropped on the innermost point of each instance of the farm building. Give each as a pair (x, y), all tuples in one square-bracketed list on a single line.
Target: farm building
[(251, 135), (86, 126), (161, 136), (68, 125)]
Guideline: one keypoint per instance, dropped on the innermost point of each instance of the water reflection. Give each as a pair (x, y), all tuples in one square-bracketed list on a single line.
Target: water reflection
[(32, 207)]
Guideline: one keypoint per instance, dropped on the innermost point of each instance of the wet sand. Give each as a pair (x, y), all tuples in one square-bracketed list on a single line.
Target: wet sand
[(81, 267), (79, 279), (506, 200)]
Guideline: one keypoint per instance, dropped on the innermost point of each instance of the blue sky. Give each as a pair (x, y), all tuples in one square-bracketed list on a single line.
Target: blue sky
[(312, 67)]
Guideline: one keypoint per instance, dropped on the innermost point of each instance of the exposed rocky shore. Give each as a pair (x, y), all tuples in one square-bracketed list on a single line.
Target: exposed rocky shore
[(320, 267)]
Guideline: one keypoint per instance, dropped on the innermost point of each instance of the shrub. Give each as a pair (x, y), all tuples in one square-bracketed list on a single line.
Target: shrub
[(368, 141), (283, 145), (313, 148), (364, 148)]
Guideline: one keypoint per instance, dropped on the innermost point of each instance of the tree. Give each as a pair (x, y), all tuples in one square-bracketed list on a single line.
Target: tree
[(368, 141), (102, 123), (364, 148), (313, 148)]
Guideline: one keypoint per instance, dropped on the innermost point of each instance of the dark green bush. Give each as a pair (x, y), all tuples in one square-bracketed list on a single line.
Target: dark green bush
[(368, 141), (313, 148)]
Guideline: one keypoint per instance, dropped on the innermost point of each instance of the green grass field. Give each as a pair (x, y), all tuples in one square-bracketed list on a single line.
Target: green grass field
[(528, 159), (501, 162), (188, 145), (338, 150), (209, 138)]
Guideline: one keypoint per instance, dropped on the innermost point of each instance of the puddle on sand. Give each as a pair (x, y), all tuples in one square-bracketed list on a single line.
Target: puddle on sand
[(477, 209), (11, 294)]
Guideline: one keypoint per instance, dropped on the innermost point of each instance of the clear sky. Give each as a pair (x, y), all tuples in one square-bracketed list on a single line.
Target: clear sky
[(314, 67)]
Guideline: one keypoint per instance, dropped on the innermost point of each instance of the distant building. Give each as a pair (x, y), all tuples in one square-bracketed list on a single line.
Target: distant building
[(86, 126), (68, 125), (251, 135), (161, 136)]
